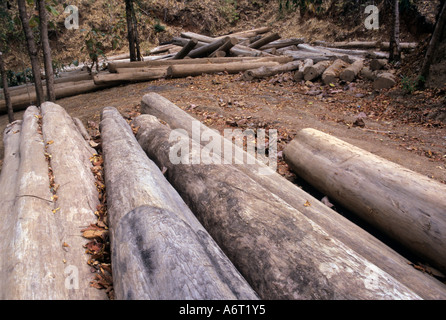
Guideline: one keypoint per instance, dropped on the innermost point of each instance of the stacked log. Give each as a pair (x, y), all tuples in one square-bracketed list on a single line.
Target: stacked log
[(351, 72), (315, 71), (333, 72), (265, 71), (299, 74)]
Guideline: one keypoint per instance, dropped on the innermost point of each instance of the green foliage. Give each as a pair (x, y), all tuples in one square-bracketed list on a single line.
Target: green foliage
[(158, 27), (93, 44), (409, 85), (229, 10)]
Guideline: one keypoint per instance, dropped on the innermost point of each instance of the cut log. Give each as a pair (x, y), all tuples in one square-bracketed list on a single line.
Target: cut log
[(81, 128), (199, 37), (332, 73), (378, 64), (368, 74), (264, 41), (226, 48), (384, 80), (315, 71), (137, 76), (191, 44), (264, 72), (351, 72), (267, 240), (335, 225), (407, 206), (249, 33), (147, 69), (178, 71), (299, 74), (153, 230), (279, 44), (207, 49)]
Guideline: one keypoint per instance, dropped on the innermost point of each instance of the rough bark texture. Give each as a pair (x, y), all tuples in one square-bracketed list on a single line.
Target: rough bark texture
[(335, 225), (159, 249), (394, 46), (6, 92), (407, 206), (281, 253)]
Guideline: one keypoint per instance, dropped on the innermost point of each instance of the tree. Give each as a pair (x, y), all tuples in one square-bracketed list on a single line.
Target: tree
[(395, 48), (48, 62), (32, 51), (132, 31), (5, 90), (433, 44)]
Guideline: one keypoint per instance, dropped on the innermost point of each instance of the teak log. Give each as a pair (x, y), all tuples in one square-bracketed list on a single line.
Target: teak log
[(264, 71), (378, 64), (407, 206), (334, 224), (191, 44), (315, 71), (333, 72), (178, 71), (385, 80), (280, 252), (226, 47), (279, 44), (146, 75), (207, 49), (264, 41), (299, 74), (249, 33), (153, 230), (352, 71)]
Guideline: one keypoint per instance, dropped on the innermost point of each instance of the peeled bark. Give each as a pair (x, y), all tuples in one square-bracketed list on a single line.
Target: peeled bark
[(351, 72), (334, 224), (264, 72), (333, 72), (313, 72), (153, 230), (178, 71), (405, 205)]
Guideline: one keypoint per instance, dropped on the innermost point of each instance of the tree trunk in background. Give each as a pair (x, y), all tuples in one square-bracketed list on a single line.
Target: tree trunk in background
[(436, 36), (32, 51), (395, 49), (132, 31), (5, 90), (48, 61)]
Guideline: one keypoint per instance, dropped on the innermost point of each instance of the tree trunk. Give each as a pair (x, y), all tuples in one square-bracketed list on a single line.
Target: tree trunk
[(48, 61), (132, 31), (6, 93), (333, 223), (433, 44), (32, 51), (264, 72), (179, 71), (147, 216), (333, 72), (405, 205), (394, 48), (351, 72)]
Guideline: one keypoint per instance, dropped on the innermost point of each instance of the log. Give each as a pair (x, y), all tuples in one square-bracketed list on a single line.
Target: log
[(77, 195), (191, 44), (280, 252), (264, 41), (153, 230), (332, 73), (207, 49), (313, 72), (367, 45), (146, 69), (299, 74), (368, 74), (264, 72), (137, 76), (407, 206), (384, 80), (249, 33), (279, 44), (378, 64), (335, 225), (226, 47), (178, 71), (351, 72), (199, 37)]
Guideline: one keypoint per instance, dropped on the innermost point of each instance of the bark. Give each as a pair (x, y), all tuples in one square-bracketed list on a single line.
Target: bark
[(313, 72), (405, 205), (47, 59), (295, 263), (352, 71), (394, 47), (299, 74), (6, 92), (226, 47), (279, 44), (186, 49), (207, 49), (32, 51), (153, 230), (335, 225), (137, 76), (264, 72), (265, 40), (132, 31), (178, 71), (333, 72)]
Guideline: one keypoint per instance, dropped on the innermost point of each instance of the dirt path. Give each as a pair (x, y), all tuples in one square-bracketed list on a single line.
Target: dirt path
[(279, 103)]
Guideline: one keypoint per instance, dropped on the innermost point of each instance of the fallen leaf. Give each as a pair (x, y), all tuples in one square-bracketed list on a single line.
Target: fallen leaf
[(307, 204)]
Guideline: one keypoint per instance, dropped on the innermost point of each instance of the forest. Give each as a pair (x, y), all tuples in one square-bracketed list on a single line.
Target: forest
[(223, 150)]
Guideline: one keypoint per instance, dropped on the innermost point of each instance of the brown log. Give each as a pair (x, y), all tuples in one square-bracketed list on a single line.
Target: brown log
[(369, 74), (352, 71), (299, 74), (313, 72), (268, 248), (249, 33), (178, 71), (207, 49), (264, 72), (265, 40), (279, 44), (226, 47), (137, 76), (378, 64), (407, 206), (334, 224), (186, 49), (384, 80), (153, 230), (199, 37), (366, 45), (332, 73)]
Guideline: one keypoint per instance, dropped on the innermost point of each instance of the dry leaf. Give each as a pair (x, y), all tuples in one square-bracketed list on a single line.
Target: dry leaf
[(307, 204)]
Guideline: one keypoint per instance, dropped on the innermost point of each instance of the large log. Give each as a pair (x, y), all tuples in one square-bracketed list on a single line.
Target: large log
[(385, 80), (282, 253), (407, 206), (279, 44), (299, 74), (177, 71), (336, 225), (153, 230), (249, 33), (226, 47), (315, 71), (265, 40), (264, 72), (191, 44), (333, 72), (366, 45), (351, 72), (135, 76), (207, 49)]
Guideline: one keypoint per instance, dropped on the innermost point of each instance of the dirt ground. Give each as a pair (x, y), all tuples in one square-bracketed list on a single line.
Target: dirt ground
[(392, 125)]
